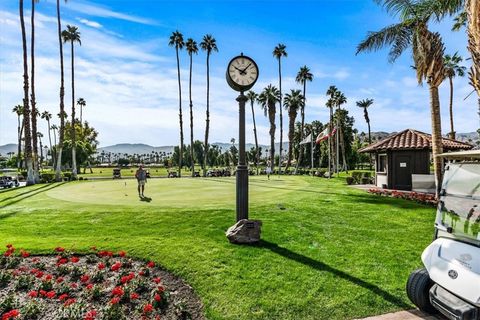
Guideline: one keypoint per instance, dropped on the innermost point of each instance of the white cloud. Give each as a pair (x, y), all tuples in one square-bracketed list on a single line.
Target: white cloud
[(90, 23)]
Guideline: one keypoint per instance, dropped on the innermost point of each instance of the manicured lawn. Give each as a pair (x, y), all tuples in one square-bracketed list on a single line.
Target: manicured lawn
[(328, 251)]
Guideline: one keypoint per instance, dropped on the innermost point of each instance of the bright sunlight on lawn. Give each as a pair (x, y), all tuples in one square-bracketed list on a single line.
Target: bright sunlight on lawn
[(328, 251)]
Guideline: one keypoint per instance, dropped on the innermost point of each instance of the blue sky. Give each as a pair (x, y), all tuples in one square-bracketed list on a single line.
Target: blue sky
[(127, 73)]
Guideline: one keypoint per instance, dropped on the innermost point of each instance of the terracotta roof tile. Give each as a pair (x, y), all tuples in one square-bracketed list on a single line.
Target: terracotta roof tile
[(412, 139)]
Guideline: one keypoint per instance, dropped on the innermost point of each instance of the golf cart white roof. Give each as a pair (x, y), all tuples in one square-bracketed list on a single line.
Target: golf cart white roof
[(461, 155)]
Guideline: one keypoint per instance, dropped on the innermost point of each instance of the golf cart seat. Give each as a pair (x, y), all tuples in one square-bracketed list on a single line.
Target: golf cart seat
[(117, 174)]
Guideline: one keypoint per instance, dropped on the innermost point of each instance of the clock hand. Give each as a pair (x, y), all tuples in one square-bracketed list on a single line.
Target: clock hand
[(241, 71), (247, 67)]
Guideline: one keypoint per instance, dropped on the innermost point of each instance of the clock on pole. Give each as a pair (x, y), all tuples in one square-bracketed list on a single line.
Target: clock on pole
[(242, 73)]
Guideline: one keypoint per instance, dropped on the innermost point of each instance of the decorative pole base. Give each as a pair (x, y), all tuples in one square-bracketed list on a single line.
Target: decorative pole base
[(245, 232)]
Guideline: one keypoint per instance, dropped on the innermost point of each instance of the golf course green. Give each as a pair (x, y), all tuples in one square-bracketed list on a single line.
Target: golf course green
[(328, 251)]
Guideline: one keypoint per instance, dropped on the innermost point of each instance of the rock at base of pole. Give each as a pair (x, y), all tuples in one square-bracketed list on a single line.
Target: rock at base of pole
[(245, 232)]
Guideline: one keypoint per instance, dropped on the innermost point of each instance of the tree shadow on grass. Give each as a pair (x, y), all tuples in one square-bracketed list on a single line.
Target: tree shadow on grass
[(320, 266), (20, 194), (25, 195)]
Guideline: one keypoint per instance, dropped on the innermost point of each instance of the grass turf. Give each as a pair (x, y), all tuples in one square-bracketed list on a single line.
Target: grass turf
[(328, 251)]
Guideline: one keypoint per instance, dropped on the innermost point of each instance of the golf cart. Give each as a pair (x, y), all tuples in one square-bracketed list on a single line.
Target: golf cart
[(450, 281), (116, 173)]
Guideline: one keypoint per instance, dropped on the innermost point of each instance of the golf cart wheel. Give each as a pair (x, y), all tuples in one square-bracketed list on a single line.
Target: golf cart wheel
[(418, 287)]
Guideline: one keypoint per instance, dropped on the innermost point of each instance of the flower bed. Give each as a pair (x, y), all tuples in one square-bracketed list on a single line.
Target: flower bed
[(420, 197), (100, 285)]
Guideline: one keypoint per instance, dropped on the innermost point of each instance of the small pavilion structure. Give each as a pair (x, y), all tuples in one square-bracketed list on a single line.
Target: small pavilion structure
[(402, 160)]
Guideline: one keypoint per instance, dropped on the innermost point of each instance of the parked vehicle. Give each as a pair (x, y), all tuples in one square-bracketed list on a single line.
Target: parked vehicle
[(117, 173), (450, 281), (8, 182)]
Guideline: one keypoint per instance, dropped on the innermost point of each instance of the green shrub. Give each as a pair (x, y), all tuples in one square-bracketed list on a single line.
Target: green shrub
[(350, 180), (48, 177)]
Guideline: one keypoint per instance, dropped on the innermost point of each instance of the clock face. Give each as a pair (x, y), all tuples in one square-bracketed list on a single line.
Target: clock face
[(243, 72)]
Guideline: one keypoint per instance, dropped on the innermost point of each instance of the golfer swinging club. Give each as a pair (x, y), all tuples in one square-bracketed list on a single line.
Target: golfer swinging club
[(141, 176)]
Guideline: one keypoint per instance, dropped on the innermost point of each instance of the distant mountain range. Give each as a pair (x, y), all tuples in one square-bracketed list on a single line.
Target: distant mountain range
[(139, 148)]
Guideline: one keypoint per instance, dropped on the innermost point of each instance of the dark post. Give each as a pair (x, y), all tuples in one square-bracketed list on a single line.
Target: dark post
[(242, 169)]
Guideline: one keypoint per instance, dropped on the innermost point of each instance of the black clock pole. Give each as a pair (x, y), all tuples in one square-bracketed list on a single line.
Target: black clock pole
[(242, 169)]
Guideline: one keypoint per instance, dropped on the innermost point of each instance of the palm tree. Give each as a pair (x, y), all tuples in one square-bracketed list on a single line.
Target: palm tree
[(365, 104), (427, 48), (40, 136), (303, 76), (452, 69), (268, 98), (18, 109), (54, 129), (73, 35), (472, 8), (26, 107), (192, 48), (278, 53), (81, 103), (208, 44), (176, 40), (253, 97), (47, 116), (293, 102), (32, 96), (330, 104), (339, 100)]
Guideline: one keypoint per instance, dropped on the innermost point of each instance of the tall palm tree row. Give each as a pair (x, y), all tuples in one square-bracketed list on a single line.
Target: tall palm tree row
[(26, 107), (268, 99), (72, 35), (47, 116), (293, 102), (176, 40), (339, 100), (253, 97), (333, 93), (452, 69), (427, 51), (330, 104), (278, 53), (208, 44), (32, 96), (192, 48), (18, 109), (61, 133), (302, 77)]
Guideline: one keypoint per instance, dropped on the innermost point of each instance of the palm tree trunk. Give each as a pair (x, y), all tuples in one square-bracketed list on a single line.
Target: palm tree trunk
[(472, 7), (19, 153), (300, 151), (50, 141), (452, 131), (74, 144), (81, 111), (191, 117), (61, 134), (369, 142), (330, 141), (180, 156), (281, 116), (271, 114), (337, 145), (257, 155), (33, 100), (26, 108), (207, 126), (437, 147), (291, 133)]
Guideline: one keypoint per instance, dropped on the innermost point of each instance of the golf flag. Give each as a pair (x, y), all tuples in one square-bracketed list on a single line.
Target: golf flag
[(324, 135)]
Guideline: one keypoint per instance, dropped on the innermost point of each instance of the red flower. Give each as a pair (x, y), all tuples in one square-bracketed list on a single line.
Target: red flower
[(115, 300), (25, 254), (62, 261), (134, 296), (157, 297), (73, 285), (93, 248), (116, 266), (33, 294), (157, 280), (9, 245), (11, 314), (59, 249), (74, 259), (90, 315), (89, 286), (39, 274), (147, 308), (63, 297), (48, 277), (69, 302), (161, 288), (151, 264), (59, 279), (43, 293), (142, 273), (105, 253), (117, 291), (84, 278), (122, 253), (101, 266), (124, 279), (51, 294)]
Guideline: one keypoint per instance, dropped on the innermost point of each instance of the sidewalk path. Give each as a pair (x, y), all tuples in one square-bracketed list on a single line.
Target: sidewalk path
[(405, 315)]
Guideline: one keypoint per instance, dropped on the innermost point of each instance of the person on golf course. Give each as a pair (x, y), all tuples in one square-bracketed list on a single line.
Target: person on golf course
[(141, 176)]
